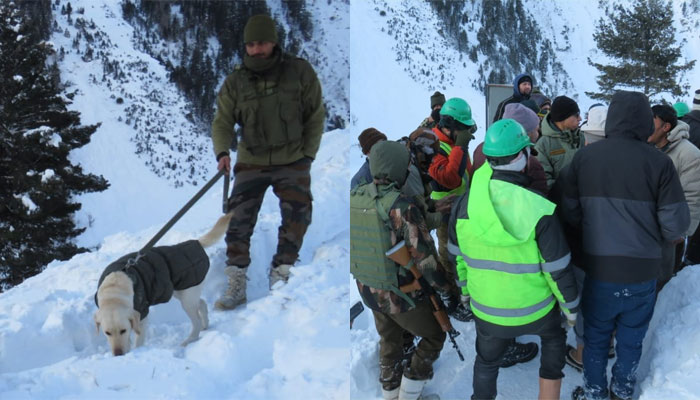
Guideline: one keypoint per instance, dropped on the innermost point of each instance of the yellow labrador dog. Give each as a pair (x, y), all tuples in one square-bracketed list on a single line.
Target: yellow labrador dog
[(130, 285)]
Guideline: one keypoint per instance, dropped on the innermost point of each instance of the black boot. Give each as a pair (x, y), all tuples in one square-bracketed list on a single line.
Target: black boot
[(519, 353), (578, 394)]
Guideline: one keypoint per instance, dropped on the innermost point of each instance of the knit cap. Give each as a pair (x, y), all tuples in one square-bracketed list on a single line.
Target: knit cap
[(437, 99), (260, 28), (368, 138), (523, 115), (696, 100), (562, 108)]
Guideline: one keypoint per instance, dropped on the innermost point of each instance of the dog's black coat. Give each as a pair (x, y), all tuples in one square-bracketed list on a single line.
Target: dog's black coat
[(160, 271)]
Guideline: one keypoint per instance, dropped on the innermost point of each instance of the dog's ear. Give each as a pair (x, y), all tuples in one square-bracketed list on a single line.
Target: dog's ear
[(96, 317), (135, 320)]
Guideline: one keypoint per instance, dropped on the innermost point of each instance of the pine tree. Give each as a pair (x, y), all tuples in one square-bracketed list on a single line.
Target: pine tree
[(38, 183), (641, 40)]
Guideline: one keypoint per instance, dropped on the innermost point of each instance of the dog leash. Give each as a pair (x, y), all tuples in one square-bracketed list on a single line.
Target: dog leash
[(132, 261)]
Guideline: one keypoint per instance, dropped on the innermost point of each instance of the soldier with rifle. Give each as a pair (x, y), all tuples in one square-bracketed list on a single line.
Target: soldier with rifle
[(380, 218)]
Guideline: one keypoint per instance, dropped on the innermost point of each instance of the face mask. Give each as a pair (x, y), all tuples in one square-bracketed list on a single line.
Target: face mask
[(435, 114)]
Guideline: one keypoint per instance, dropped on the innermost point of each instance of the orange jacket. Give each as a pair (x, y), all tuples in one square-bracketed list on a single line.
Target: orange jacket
[(448, 170)]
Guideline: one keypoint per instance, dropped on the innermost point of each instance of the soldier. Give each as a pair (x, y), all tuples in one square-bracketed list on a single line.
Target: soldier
[(436, 102), (514, 261), (276, 99), (380, 217)]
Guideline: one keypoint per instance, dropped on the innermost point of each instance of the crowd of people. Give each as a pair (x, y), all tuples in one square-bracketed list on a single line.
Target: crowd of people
[(550, 224)]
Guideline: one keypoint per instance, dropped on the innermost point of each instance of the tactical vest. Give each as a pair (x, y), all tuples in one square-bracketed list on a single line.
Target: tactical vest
[(436, 194), (269, 108), (505, 274), (370, 239)]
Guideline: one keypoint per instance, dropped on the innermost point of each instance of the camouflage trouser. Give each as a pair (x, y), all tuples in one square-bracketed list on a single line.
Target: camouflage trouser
[(443, 257), (292, 185), (391, 327)]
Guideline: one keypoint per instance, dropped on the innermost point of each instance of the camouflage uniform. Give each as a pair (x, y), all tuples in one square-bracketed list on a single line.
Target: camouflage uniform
[(394, 315), (280, 110)]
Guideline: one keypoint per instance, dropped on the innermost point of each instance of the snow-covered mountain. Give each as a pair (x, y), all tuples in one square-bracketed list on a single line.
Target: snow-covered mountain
[(293, 343)]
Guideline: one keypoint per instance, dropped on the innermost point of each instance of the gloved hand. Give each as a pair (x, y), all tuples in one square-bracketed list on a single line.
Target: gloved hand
[(463, 138), (444, 205), (570, 319)]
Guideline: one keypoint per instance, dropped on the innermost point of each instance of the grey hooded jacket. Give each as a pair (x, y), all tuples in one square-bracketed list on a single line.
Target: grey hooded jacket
[(686, 159)]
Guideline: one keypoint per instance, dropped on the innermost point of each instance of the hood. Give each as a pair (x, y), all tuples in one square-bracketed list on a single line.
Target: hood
[(629, 116), (681, 131), (692, 115), (516, 92), (498, 218), (389, 160)]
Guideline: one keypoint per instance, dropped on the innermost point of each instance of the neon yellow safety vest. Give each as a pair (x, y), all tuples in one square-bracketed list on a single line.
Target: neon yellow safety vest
[(461, 189), (505, 274)]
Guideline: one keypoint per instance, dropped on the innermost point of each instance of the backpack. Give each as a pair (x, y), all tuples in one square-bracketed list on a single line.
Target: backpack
[(370, 239)]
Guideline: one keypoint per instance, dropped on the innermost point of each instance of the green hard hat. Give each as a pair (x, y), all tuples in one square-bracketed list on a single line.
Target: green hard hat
[(459, 110), (681, 109), (504, 138)]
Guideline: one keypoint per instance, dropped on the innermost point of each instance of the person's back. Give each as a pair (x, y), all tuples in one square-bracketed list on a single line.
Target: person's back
[(628, 200), (618, 200), (693, 120), (514, 260)]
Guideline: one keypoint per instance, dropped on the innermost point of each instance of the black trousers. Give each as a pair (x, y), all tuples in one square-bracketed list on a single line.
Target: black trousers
[(490, 350)]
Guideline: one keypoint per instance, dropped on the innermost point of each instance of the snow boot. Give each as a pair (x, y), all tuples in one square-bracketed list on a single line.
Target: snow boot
[(390, 394), (279, 273), (457, 307), (235, 293), (571, 361), (578, 394), (519, 353), (411, 389)]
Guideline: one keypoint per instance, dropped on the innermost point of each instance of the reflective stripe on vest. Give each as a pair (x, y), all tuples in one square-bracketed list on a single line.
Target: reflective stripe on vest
[(437, 195), (507, 279)]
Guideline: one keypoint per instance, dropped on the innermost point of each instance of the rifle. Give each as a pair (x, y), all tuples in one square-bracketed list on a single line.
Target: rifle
[(355, 310), (399, 254)]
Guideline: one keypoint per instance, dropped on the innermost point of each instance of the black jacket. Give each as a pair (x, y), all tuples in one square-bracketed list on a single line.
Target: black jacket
[(161, 270), (693, 119), (626, 196)]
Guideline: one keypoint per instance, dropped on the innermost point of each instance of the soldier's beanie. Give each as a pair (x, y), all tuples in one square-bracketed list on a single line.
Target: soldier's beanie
[(389, 160), (523, 115), (368, 138), (260, 28), (696, 100), (525, 78), (437, 99), (562, 108)]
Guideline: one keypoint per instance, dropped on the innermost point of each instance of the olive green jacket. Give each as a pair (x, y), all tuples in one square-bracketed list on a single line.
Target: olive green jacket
[(280, 111), (556, 149)]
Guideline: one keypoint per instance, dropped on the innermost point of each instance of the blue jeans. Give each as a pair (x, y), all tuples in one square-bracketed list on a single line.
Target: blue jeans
[(622, 307)]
